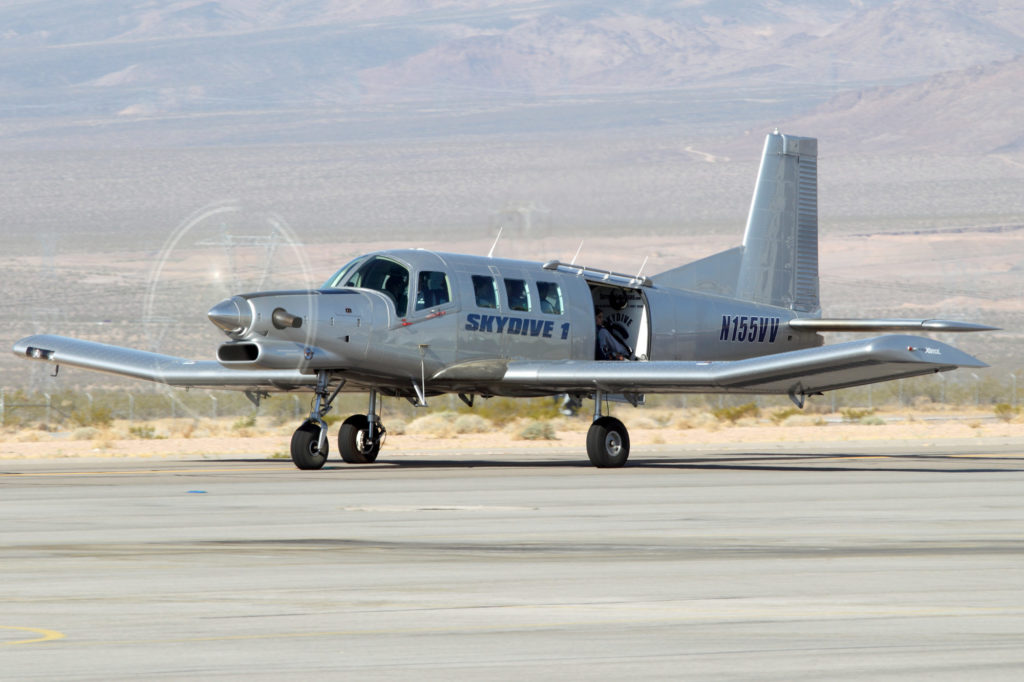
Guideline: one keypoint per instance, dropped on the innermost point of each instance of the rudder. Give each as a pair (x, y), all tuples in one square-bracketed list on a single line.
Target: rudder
[(779, 264)]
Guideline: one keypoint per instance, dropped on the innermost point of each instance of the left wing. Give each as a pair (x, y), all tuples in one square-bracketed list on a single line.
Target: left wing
[(162, 369), (797, 373)]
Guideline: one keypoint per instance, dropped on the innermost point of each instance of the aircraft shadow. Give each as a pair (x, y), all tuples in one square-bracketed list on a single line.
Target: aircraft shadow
[(939, 463)]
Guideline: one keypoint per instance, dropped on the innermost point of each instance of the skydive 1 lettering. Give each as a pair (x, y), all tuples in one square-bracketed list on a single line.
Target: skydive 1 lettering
[(749, 328), (519, 326)]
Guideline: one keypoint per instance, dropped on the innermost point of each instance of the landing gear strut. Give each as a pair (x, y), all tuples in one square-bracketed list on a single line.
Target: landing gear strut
[(359, 438), (309, 442), (607, 439)]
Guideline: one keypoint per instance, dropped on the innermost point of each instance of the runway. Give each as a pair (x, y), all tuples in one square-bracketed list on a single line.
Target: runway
[(861, 561)]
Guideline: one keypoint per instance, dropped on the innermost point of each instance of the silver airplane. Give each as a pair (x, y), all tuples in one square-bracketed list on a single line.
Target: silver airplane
[(414, 324)]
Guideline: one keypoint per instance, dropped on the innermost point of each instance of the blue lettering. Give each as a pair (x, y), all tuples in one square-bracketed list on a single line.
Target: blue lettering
[(515, 325), (749, 328), (472, 322), (536, 327), (487, 323), (502, 321), (549, 327)]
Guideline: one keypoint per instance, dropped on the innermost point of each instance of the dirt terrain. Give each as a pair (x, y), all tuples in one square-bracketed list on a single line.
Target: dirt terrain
[(207, 438)]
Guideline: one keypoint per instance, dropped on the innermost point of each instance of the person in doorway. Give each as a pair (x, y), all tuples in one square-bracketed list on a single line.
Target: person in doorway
[(608, 347)]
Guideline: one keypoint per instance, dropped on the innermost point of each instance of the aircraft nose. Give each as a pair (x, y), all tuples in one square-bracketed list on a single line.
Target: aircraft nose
[(232, 315)]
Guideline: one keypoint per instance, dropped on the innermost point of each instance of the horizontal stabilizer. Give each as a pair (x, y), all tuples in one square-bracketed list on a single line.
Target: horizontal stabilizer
[(801, 372), (839, 325), (162, 369)]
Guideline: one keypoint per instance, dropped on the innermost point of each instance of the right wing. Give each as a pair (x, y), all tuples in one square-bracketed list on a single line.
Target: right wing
[(796, 373), (162, 369)]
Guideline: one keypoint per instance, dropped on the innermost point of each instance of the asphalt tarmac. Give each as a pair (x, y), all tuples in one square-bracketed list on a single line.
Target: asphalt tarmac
[(841, 561)]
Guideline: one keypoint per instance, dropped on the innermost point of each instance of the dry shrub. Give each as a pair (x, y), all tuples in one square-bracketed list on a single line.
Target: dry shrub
[(32, 436), (535, 430), (397, 427), (472, 423), (84, 433), (644, 423), (436, 425), (804, 420), (186, 430), (698, 420)]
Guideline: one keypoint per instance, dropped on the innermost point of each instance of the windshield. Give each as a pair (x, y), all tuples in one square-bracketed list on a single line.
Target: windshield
[(380, 274), (334, 281)]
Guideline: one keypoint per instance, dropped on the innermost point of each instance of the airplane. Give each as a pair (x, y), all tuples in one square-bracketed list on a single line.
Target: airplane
[(415, 324)]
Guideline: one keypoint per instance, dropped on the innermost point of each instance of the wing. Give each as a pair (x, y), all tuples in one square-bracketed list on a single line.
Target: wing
[(796, 373), (163, 369)]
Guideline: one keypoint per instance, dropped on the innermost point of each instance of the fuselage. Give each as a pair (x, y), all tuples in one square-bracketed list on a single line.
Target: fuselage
[(396, 316)]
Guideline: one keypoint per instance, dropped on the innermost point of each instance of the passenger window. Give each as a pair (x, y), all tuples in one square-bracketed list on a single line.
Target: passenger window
[(486, 291), (518, 295), (384, 275), (432, 290), (550, 298)]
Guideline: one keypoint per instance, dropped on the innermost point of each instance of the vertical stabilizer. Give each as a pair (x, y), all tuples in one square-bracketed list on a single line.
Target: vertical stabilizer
[(779, 265)]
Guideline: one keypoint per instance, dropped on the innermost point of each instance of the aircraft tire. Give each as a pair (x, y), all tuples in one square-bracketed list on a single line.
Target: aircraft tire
[(352, 432), (607, 443), (305, 440)]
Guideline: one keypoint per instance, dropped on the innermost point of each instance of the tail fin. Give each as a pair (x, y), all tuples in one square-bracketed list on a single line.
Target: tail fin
[(778, 261)]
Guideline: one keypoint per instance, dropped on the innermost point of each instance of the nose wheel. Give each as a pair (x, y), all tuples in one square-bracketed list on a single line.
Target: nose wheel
[(307, 450)]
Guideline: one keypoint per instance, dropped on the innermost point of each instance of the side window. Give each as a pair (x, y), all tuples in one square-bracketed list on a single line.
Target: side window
[(486, 291), (518, 295), (384, 275), (550, 298), (432, 290)]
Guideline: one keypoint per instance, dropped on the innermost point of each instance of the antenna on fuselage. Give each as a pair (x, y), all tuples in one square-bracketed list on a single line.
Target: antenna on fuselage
[(490, 254), (641, 270), (578, 249)]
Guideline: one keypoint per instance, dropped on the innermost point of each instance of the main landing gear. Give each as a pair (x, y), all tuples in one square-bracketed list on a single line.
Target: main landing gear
[(607, 439), (359, 438)]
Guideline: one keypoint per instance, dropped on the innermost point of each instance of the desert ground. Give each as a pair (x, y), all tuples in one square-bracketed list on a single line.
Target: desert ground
[(443, 432)]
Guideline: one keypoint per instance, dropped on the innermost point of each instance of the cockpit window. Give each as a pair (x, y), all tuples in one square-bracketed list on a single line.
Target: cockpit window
[(335, 280), (432, 290), (486, 291), (518, 294), (381, 274)]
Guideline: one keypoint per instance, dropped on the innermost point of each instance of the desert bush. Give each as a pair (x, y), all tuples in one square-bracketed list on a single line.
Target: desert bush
[(436, 425), (84, 433), (732, 414), (779, 416), (142, 432), (471, 423), (246, 422), (93, 415), (1005, 411), (853, 414), (536, 430), (503, 411)]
